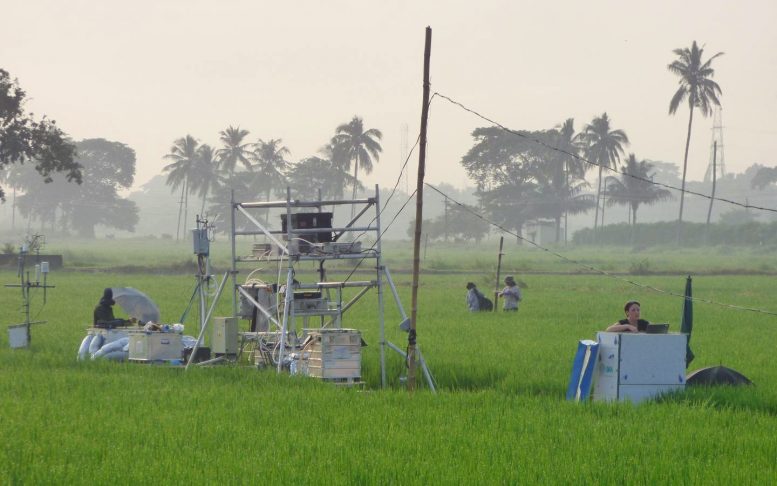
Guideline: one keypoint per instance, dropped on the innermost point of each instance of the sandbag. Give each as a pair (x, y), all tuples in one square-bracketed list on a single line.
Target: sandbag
[(96, 344), (117, 355), (83, 350), (116, 345)]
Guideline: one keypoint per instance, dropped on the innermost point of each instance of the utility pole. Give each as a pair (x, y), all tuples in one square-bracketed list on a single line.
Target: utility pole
[(419, 205)]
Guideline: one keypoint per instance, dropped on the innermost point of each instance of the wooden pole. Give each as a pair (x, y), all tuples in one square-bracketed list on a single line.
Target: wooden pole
[(419, 204), (498, 272)]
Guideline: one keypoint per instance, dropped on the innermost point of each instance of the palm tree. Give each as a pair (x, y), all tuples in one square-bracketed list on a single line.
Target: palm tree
[(571, 145), (635, 187), (271, 164), (184, 156), (604, 146), (339, 165), (233, 149), (205, 176), (701, 91), (361, 146)]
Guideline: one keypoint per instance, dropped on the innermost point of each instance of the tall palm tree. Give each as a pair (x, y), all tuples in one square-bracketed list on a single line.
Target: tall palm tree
[(569, 142), (339, 166), (702, 92), (183, 153), (270, 164), (605, 147), (233, 149), (635, 187), (205, 176), (361, 147)]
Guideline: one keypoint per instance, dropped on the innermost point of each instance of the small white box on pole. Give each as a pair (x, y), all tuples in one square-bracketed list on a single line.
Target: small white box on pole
[(18, 337)]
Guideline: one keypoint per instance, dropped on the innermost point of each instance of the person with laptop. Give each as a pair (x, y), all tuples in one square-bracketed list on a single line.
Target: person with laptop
[(632, 322)]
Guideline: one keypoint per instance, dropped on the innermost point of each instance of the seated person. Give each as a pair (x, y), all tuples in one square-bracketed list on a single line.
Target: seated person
[(632, 322), (473, 299), (103, 313)]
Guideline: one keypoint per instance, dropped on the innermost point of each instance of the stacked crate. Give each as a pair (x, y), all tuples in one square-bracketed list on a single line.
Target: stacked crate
[(333, 354)]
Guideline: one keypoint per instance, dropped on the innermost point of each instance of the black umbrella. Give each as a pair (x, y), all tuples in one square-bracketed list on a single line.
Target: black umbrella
[(686, 325), (717, 375)]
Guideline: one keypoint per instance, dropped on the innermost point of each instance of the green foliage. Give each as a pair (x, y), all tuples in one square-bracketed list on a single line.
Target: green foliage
[(747, 233), (499, 416), (24, 139)]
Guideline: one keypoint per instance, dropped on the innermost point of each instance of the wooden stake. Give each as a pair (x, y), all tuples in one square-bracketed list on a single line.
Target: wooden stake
[(419, 204), (498, 271)]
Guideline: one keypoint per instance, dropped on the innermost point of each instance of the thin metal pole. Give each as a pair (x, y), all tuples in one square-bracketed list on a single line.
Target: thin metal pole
[(234, 255), (419, 205), (380, 269), (498, 272)]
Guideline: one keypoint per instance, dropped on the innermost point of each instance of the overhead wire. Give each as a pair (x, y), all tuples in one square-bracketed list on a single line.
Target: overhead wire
[(385, 204), (595, 269), (595, 164)]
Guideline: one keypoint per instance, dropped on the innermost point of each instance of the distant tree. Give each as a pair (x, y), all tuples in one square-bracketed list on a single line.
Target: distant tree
[(23, 139), (205, 176), (697, 86), (220, 200), (337, 156), (360, 145), (634, 187), (764, 176), (312, 174), (561, 180), (467, 225), (107, 167), (511, 203), (270, 166), (183, 153), (233, 149), (604, 146), (570, 144), (519, 179)]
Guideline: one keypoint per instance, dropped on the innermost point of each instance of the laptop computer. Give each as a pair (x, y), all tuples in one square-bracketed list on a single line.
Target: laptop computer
[(657, 329)]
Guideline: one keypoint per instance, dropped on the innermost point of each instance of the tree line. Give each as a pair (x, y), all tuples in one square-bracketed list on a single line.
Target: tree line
[(517, 179), (531, 175), (261, 169)]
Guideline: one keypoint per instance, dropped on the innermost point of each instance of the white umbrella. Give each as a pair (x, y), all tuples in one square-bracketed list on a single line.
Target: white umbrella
[(136, 304)]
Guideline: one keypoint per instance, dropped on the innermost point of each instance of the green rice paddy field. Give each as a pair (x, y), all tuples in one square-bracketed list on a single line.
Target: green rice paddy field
[(499, 415)]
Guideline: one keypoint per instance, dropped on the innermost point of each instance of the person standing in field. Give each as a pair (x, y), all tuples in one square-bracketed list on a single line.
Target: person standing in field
[(511, 294)]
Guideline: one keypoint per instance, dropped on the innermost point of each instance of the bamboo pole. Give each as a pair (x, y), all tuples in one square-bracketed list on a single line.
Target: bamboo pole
[(419, 204), (498, 272)]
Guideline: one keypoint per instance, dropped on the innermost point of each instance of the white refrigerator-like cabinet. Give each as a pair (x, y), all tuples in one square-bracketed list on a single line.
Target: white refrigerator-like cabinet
[(637, 366)]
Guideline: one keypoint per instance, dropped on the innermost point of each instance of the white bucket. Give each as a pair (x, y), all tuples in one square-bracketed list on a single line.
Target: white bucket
[(17, 336)]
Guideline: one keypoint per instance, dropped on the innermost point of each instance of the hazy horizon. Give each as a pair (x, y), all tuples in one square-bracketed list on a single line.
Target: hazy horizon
[(147, 73)]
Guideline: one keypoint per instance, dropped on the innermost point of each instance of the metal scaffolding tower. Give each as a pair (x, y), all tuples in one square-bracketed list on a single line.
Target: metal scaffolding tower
[(306, 237)]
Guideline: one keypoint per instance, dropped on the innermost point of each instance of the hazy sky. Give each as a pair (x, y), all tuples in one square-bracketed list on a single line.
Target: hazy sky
[(147, 72)]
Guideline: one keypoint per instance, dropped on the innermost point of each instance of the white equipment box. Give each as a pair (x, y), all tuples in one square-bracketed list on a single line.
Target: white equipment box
[(637, 366), (155, 346), (333, 354), (224, 339)]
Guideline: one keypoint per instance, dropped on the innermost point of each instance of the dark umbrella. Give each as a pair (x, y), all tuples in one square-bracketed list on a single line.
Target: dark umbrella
[(686, 325), (717, 375), (136, 304)]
